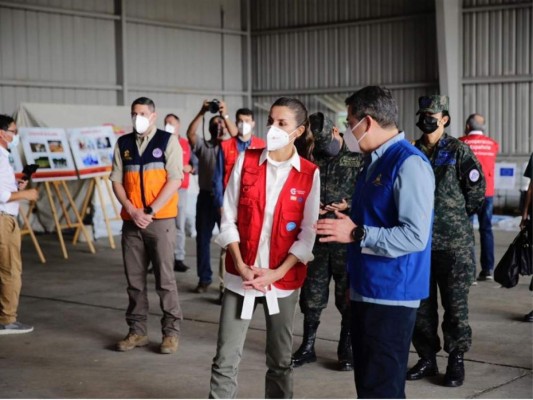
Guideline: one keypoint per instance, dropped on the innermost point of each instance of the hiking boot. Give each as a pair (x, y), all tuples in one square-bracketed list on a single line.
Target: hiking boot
[(202, 287), (131, 341), (179, 266), (306, 352), (455, 372), (344, 349), (15, 328), (424, 367), (169, 345)]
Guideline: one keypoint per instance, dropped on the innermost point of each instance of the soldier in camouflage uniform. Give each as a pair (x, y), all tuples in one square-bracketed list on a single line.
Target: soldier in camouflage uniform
[(459, 192), (338, 170)]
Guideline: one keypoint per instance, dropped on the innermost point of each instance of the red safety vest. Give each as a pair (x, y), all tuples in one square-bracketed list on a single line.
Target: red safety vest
[(288, 216), (231, 152), (186, 158), (485, 149)]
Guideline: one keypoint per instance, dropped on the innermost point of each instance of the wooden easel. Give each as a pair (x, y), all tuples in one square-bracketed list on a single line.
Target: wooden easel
[(26, 229), (96, 182), (57, 186)]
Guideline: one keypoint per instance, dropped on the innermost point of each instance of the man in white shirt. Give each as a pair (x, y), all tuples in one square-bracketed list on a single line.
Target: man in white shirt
[(11, 192)]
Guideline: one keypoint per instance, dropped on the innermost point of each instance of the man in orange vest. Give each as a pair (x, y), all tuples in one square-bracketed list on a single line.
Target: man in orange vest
[(227, 156), (485, 149), (147, 172)]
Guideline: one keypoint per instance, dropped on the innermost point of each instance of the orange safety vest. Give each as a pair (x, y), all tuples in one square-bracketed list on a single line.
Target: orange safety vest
[(151, 164), (288, 216)]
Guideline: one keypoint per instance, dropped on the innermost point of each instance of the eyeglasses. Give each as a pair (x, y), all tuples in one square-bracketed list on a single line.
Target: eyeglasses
[(13, 132)]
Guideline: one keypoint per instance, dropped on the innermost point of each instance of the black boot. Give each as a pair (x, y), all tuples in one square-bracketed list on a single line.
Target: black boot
[(424, 367), (344, 349), (306, 352), (455, 373)]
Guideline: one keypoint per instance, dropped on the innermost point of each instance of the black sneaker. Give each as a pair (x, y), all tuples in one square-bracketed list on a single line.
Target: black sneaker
[(15, 328), (485, 276), (179, 266)]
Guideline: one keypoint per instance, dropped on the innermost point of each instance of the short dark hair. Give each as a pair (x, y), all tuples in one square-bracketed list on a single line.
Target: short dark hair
[(5, 121), (473, 124), (244, 111), (376, 102), (172, 115), (144, 101)]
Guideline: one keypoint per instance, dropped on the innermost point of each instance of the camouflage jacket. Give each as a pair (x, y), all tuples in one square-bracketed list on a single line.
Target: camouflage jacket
[(459, 192), (338, 175)]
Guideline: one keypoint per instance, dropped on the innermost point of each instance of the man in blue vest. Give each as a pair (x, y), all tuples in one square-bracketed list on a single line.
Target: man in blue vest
[(389, 236)]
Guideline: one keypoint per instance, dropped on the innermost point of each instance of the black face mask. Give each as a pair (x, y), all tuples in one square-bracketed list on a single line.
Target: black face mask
[(427, 124), (333, 148)]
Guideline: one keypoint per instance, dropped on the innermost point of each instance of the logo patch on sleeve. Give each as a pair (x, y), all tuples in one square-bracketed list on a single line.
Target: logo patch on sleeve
[(474, 175)]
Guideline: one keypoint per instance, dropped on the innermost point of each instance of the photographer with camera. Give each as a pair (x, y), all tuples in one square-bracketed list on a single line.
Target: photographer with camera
[(207, 215), (11, 192)]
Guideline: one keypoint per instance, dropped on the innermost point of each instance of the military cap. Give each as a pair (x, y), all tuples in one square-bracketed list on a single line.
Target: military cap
[(322, 129), (433, 104)]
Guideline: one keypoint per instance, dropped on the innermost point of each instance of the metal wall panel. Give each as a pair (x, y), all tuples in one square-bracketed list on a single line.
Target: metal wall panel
[(320, 51), (104, 6), (273, 14), (209, 13), (159, 56), (71, 51), (498, 71)]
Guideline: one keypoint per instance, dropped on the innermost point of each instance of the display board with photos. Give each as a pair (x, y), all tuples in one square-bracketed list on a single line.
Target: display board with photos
[(92, 149), (49, 149)]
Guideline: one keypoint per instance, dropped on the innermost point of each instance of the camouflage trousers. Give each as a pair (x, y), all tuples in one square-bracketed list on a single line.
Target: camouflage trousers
[(451, 275), (330, 261)]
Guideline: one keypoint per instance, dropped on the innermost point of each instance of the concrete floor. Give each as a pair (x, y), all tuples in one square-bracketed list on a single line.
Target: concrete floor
[(77, 307)]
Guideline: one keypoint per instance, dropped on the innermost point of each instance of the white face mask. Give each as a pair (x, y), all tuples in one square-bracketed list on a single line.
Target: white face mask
[(169, 128), (141, 124), (244, 128), (277, 138), (14, 143), (350, 139)]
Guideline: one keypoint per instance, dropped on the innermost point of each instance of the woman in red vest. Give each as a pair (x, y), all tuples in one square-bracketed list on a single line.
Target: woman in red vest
[(270, 205)]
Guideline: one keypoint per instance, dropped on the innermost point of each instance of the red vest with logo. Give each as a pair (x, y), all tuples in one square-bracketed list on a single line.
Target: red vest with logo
[(231, 152), (288, 216), (485, 149), (186, 159)]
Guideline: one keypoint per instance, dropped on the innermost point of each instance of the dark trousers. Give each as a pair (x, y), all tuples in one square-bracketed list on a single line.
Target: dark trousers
[(486, 237), (207, 215), (381, 336), (451, 275), (154, 244), (330, 261)]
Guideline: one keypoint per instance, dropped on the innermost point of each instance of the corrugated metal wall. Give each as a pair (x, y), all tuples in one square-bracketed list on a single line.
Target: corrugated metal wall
[(81, 52), (498, 71), (321, 51)]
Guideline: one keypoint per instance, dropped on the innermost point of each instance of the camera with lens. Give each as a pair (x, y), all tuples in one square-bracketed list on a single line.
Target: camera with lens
[(213, 106)]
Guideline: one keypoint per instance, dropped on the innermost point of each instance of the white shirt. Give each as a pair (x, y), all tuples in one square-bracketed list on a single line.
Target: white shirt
[(8, 184), (302, 248)]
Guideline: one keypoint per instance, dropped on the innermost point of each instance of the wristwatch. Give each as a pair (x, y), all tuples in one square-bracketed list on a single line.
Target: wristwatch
[(148, 210), (358, 233)]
